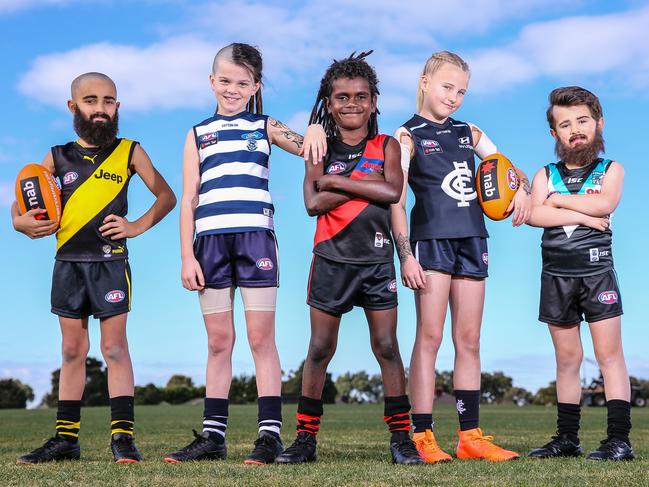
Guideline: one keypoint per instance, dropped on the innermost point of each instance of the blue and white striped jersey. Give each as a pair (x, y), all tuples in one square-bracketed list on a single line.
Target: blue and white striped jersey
[(233, 156)]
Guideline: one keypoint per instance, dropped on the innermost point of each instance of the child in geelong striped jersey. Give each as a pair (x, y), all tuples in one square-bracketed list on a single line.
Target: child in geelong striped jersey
[(226, 205)]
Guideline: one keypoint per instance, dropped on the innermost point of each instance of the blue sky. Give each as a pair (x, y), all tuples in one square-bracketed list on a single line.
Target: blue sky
[(160, 54)]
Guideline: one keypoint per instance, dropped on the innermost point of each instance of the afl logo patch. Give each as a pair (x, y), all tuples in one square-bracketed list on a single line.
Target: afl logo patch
[(265, 264), (115, 296), (70, 177), (208, 139), (392, 286), (512, 179), (607, 297), (430, 146), (485, 258), (336, 167)]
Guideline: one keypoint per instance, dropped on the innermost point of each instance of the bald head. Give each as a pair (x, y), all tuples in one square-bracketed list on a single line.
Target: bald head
[(80, 80)]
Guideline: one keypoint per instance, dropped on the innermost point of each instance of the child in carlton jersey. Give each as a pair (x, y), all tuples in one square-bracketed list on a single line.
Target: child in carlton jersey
[(353, 250), (91, 274), (573, 200), (445, 259), (227, 241)]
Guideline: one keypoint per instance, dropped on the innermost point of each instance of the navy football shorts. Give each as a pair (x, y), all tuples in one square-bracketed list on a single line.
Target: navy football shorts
[(81, 289), (244, 259), (571, 300), (336, 287), (466, 257)]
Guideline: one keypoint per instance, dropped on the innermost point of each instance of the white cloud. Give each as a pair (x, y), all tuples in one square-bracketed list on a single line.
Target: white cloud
[(573, 48), (298, 42), (9, 6), (7, 194)]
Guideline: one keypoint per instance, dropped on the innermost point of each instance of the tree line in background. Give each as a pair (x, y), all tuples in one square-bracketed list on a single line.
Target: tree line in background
[(357, 387)]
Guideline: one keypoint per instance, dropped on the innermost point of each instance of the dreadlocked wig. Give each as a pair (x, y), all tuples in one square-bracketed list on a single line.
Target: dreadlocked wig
[(353, 66)]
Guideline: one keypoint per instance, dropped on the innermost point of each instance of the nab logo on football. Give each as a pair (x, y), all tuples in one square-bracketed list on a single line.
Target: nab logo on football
[(115, 296), (70, 177), (607, 297), (392, 287), (336, 167), (265, 264)]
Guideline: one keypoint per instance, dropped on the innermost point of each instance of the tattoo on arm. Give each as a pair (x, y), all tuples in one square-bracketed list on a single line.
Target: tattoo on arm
[(403, 247), (287, 133), (525, 184)]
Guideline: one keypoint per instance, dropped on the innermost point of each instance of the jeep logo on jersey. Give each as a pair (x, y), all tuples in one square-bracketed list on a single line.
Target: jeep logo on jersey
[(109, 176), (430, 146), (253, 135), (208, 139), (336, 167), (115, 296), (265, 264), (70, 177), (458, 184), (607, 297), (392, 286)]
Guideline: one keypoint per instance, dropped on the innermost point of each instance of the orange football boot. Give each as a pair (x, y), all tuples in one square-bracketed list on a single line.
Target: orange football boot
[(473, 445), (428, 448)]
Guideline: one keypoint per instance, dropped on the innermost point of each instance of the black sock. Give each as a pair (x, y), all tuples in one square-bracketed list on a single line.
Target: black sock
[(568, 417), (619, 419), (122, 415), (467, 404), (396, 414), (309, 412), (215, 417), (68, 420), (422, 422), (270, 414)]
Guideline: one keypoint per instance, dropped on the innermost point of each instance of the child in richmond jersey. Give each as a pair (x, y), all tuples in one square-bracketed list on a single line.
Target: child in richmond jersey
[(445, 258), (353, 250), (227, 241), (573, 200), (91, 274)]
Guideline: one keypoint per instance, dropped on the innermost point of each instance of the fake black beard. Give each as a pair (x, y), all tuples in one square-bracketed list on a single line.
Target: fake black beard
[(583, 154), (99, 134)]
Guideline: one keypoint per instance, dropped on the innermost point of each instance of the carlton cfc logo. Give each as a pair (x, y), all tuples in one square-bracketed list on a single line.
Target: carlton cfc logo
[(607, 297), (392, 287), (115, 296), (265, 264)]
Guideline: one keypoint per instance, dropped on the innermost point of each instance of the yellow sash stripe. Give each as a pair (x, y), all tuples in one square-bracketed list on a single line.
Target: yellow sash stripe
[(128, 286), (112, 423), (94, 194), (128, 432)]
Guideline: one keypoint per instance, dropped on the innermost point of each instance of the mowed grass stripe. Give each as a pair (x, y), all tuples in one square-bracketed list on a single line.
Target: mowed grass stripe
[(352, 450)]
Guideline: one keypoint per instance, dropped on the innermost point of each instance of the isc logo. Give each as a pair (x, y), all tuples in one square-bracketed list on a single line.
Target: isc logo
[(115, 296), (265, 264), (607, 297)]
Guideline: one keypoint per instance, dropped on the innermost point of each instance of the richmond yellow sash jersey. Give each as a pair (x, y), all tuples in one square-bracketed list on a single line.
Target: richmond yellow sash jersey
[(94, 183)]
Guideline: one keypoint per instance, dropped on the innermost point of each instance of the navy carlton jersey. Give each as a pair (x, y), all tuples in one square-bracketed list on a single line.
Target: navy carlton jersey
[(94, 183), (233, 156), (576, 250), (357, 231), (442, 178)]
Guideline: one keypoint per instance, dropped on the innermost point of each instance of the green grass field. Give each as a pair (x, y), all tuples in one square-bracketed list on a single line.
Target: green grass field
[(352, 450)]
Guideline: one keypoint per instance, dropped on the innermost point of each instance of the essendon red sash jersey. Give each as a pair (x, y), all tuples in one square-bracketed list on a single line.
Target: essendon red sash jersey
[(357, 231)]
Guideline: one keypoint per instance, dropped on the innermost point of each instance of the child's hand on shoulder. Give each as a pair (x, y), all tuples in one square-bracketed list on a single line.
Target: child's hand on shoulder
[(33, 228), (315, 144)]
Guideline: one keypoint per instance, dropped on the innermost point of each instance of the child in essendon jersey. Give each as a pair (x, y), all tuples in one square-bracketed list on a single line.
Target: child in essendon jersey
[(353, 250), (91, 274), (573, 201)]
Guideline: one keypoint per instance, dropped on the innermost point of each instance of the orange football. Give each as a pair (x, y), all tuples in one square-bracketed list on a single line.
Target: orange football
[(496, 184), (36, 188)]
